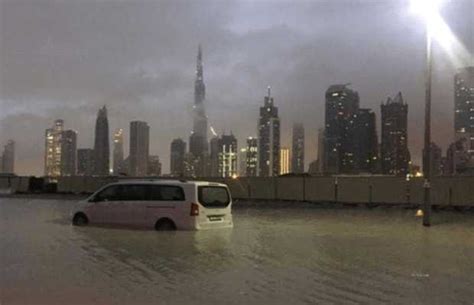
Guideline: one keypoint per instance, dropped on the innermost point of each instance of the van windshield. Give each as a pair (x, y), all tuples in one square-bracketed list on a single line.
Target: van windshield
[(213, 196)]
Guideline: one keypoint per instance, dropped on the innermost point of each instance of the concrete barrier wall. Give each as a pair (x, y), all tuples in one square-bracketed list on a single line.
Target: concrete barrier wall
[(459, 190), (353, 189), (290, 188), (239, 188), (22, 185), (445, 191), (262, 188), (390, 190), (416, 191), (5, 182), (82, 184), (320, 189)]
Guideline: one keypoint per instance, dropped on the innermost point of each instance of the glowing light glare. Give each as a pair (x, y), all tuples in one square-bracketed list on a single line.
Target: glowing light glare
[(438, 30), (213, 131), (426, 8)]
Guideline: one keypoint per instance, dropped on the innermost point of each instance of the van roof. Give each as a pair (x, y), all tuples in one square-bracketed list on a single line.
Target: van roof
[(169, 182)]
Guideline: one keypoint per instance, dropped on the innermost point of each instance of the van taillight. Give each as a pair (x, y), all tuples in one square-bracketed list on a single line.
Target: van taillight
[(194, 209)]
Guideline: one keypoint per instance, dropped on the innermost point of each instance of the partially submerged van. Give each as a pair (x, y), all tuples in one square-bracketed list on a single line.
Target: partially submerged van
[(158, 204)]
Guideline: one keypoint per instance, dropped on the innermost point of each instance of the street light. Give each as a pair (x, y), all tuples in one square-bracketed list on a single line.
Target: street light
[(429, 11)]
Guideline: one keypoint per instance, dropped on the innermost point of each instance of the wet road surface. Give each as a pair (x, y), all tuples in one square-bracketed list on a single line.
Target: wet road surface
[(282, 256)]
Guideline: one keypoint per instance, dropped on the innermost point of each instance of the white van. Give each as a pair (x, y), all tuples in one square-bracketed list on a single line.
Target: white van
[(158, 204)]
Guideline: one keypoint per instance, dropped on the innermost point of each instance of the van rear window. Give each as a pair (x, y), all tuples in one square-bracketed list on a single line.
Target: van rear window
[(213, 196)]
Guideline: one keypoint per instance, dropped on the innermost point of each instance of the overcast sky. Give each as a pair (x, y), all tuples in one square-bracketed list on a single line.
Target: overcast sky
[(64, 59)]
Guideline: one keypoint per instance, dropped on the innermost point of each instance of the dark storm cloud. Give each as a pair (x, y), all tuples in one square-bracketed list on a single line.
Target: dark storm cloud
[(63, 59)]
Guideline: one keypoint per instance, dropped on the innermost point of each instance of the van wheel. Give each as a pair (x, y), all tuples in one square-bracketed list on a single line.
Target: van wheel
[(80, 220), (165, 225)]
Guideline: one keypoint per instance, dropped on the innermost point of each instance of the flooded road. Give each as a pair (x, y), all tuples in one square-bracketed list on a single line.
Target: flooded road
[(284, 256)]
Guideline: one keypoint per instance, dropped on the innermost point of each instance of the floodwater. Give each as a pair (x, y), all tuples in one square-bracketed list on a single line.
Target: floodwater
[(272, 256)]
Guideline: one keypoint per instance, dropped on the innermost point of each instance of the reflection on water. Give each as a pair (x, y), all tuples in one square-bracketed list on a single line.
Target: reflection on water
[(284, 256)]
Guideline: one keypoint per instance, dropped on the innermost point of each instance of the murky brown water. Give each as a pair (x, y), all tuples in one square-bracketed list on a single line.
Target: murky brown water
[(284, 256)]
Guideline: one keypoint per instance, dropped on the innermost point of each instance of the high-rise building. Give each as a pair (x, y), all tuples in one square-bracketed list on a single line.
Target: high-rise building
[(318, 165), (154, 166), (52, 159), (118, 151), (284, 160), (139, 148), (7, 158), (177, 157), (464, 110), (214, 157), (366, 142), (251, 157), (242, 162), (314, 168), (342, 106), (101, 144), (189, 170), (227, 146), (198, 144), (269, 139), (297, 156), (60, 151), (85, 162), (68, 152), (457, 158), (436, 160), (394, 149)]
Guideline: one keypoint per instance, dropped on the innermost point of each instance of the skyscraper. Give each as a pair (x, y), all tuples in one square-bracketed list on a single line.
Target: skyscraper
[(198, 144), (366, 142), (154, 166), (7, 158), (139, 148), (85, 162), (214, 157), (318, 165), (436, 160), (52, 159), (284, 160), (342, 106), (227, 147), (101, 144), (269, 139), (464, 110), (68, 152), (242, 162), (118, 151), (60, 151), (297, 157), (177, 156), (394, 149), (252, 157)]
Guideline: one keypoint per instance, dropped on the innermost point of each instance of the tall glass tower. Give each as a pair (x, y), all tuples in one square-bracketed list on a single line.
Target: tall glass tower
[(198, 144), (101, 144)]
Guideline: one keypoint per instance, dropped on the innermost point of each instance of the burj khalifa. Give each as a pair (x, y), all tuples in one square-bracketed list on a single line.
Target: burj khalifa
[(198, 144)]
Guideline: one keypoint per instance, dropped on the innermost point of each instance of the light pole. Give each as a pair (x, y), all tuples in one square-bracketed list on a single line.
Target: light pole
[(429, 10), (427, 144)]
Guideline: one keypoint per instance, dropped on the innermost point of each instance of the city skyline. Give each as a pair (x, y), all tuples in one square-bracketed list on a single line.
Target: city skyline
[(348, 144), (157, 85)]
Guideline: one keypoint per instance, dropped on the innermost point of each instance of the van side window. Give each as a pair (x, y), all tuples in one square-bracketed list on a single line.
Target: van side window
[(166, 193), (112, 193), (134, 192)]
